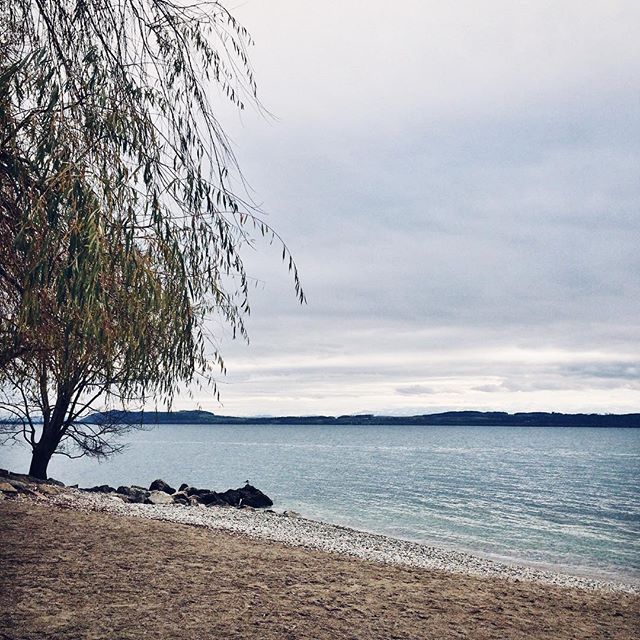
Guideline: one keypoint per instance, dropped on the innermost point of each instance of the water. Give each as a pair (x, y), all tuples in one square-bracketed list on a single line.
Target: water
[(566, 498)]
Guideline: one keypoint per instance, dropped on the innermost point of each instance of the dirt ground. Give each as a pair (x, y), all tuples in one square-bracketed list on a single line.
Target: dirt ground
[(70, 575)]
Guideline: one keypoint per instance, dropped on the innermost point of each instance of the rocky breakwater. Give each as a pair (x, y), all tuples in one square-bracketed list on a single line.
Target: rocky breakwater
[(159, 493)]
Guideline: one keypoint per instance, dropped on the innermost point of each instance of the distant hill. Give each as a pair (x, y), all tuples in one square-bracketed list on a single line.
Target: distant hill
[(451, 418)]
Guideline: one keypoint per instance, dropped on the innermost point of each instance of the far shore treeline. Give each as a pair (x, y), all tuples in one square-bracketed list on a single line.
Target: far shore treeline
[(449, 418)]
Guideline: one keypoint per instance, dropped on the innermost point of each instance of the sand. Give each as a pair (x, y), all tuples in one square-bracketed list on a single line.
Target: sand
[(323, 536), (69, 573)]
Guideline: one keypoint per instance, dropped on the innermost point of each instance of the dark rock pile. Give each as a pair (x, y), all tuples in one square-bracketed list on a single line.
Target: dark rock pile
[(159, 492)]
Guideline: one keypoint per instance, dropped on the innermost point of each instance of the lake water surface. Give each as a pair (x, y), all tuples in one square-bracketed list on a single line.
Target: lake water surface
[(566, 497)]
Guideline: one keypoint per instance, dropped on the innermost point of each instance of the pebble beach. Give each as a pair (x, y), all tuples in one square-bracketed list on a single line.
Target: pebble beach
[(293, 530), (93, 566)]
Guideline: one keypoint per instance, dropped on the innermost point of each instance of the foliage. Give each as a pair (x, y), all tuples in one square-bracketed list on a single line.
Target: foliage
[(124, 233)]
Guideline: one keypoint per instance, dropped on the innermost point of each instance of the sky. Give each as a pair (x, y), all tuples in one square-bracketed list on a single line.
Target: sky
[(459, 185)]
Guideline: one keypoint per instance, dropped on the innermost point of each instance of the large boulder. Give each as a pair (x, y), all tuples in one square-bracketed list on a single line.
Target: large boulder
[(159, 497), (253, 497), (161, 485), (232, 497), (247, 496)]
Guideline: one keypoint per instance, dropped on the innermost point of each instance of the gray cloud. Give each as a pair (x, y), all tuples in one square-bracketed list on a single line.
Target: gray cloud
[(460, 190), (608, 370), (416, 390)]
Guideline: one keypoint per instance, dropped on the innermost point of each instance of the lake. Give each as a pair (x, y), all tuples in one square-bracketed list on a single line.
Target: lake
[(561, 497)]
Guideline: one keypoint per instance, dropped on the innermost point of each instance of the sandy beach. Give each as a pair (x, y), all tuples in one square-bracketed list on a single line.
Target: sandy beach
[(88, 566)]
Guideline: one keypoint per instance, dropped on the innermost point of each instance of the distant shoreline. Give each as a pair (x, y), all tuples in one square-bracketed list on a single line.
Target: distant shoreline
[(449, 418)]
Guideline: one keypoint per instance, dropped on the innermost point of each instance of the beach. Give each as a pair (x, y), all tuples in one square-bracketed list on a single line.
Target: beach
[(78, 565)]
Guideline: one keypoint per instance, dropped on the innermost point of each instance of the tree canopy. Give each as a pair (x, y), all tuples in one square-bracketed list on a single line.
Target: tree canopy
[(122, 228)]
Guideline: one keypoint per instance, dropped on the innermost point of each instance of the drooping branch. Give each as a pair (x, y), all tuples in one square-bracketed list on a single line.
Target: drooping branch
[(124, 234)]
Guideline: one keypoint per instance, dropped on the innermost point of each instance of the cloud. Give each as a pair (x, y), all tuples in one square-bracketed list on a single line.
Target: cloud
[(415, 390), (489, 388), (459, 188), (341, 62), (621, 371)]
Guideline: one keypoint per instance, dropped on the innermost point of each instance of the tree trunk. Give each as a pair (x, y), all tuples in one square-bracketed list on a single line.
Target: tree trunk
[(51, 434), (47, 445), (40, 458)]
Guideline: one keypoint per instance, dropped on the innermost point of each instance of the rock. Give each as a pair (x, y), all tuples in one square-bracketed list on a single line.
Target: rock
[(26, 483), (247, 496), (211, 499), (22, 487), (180, 497), (159, 497), (134, 494), (192, 491), (253, 497), (7, 488), (50, 490), (183, 487), (231, 497), (125, 491), (161, 485), (290, 514), (140, 498), (103, 488), (20, 477)]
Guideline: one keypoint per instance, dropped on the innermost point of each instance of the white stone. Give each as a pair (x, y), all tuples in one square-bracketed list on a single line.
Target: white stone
[(160, 497)]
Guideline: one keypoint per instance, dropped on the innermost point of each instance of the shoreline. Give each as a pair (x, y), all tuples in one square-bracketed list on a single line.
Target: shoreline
[(587, 573), (78, 566), (297, 531)]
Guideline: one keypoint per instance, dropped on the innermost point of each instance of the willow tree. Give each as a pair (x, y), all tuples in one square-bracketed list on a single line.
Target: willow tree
[(124, 230)]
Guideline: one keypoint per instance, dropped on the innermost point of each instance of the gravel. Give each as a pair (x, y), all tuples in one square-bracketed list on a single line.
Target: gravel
[(301, 532)]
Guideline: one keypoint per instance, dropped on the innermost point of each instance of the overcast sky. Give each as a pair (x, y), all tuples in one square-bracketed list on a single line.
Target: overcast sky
[(459, 184)]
